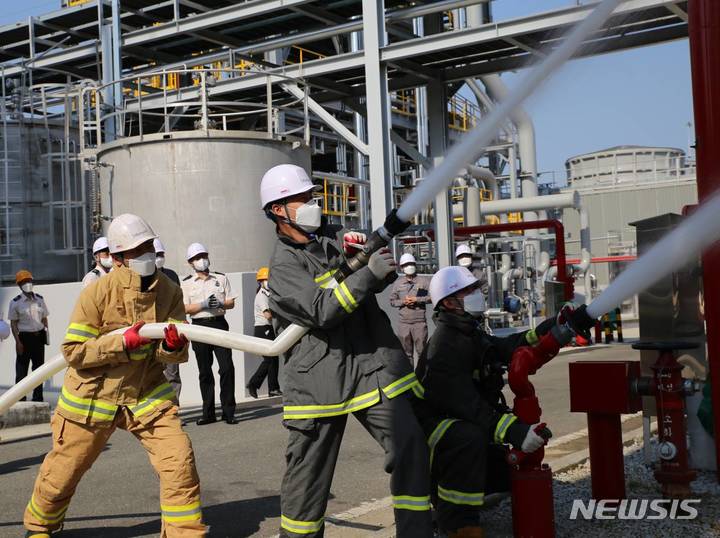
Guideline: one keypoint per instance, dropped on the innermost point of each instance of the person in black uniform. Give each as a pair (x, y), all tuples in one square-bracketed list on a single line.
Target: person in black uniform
[(28, 320), (264, 329), (207, 297), (463, 412), (172, 370)]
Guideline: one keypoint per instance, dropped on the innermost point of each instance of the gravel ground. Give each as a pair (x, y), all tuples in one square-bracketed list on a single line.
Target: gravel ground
[(640, 484)]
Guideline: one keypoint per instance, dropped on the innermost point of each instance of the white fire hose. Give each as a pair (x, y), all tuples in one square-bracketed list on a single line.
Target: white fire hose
[(195, 333)]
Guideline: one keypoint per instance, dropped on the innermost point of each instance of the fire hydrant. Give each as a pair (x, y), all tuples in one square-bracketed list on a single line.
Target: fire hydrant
[(670, 389), (531, 479)]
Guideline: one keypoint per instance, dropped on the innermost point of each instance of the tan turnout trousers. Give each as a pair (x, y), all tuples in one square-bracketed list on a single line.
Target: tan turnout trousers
[(75, 448)]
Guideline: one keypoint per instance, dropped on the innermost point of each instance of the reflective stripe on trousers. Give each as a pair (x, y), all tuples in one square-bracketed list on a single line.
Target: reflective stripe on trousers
[(462, 498), (301, 527), (408, 502)]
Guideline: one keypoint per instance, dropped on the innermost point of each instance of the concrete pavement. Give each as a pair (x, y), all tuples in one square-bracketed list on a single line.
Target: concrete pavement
[(241, 468)]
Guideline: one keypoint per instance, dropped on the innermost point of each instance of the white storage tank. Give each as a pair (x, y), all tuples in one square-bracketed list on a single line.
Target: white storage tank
[(625, 164), (198, 186)]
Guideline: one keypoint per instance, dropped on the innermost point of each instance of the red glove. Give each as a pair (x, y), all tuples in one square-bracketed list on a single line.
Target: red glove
[(132, 338), (352, 241), (173, 339)]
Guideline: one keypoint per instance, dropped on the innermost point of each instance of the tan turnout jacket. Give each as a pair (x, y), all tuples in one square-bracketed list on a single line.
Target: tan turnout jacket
[(102, 376)]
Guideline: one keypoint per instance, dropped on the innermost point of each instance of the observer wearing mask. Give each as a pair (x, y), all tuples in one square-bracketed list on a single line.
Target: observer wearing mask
[(410, 295)]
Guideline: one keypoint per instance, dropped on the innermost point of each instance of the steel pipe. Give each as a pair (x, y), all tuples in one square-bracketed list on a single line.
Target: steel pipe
[(704, 30)]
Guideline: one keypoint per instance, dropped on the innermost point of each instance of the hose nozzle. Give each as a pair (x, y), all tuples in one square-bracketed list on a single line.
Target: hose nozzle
[(378, 239)]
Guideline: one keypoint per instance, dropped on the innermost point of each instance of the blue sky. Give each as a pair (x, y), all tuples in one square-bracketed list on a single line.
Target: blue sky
[(641, 96)]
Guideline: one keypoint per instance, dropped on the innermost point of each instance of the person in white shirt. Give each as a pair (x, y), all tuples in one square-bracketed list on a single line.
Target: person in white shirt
[(207, 297), (28, 320), (103, 262), (264, 329)]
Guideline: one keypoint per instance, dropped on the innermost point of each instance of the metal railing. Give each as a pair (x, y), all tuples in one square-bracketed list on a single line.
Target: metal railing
[(101, 121)]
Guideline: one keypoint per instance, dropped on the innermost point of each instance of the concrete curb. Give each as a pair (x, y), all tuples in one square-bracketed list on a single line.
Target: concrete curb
[(25, 414)]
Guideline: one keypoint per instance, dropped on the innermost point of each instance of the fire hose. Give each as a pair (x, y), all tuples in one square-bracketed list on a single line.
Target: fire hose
[(195, 333)]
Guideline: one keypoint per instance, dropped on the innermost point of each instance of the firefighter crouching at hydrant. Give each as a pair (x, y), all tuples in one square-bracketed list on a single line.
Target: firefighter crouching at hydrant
[(350, 361), (463, 412), (117, 381)]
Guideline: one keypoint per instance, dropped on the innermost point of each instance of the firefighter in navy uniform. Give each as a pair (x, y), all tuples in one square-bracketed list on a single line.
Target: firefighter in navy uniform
[(463, 412), (350, 361)]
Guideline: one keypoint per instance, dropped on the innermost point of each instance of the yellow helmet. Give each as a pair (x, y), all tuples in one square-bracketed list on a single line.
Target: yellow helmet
[(22, 275), (262, 274)]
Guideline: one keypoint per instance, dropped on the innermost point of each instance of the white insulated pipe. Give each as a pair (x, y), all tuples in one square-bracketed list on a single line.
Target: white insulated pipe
[(535, 203), (510, 275), (544, 263), (155, 331), (486, 176)]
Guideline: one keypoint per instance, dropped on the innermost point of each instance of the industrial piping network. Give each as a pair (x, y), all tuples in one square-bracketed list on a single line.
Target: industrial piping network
[(553, 201)]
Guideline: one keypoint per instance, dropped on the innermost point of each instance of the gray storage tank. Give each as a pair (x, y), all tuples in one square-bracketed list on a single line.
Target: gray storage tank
[(198, 186), (42, 208)]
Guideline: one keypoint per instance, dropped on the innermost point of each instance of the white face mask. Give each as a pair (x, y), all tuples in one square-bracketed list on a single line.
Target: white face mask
[(27, 287), (107, 263), (159, 261), (143, 265), (409, 270), (201, 265), (474, 304), (465, 261), (308, 216)]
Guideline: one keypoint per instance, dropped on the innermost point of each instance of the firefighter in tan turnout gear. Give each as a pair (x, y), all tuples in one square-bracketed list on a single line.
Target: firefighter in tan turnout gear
[(349, 362), (116, 381)]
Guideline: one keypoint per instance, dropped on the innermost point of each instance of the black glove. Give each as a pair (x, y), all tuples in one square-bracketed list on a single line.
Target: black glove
[(211, 302), (577, 319)]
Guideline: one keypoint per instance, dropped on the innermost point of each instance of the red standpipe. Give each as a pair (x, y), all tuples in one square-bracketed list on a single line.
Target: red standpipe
[(531, 479), (556, 225), (704, 29)]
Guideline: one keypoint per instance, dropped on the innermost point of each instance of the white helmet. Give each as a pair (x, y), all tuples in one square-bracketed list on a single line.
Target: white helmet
[(463, 250), (101, 243), (195, 249), (4, 330), (159, 247), (449, 280), (283, 181), (406, 258), (128, 231)]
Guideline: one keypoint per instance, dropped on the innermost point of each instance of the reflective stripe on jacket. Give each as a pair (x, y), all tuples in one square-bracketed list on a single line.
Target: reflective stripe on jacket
[(350, 353), (102, 375)]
